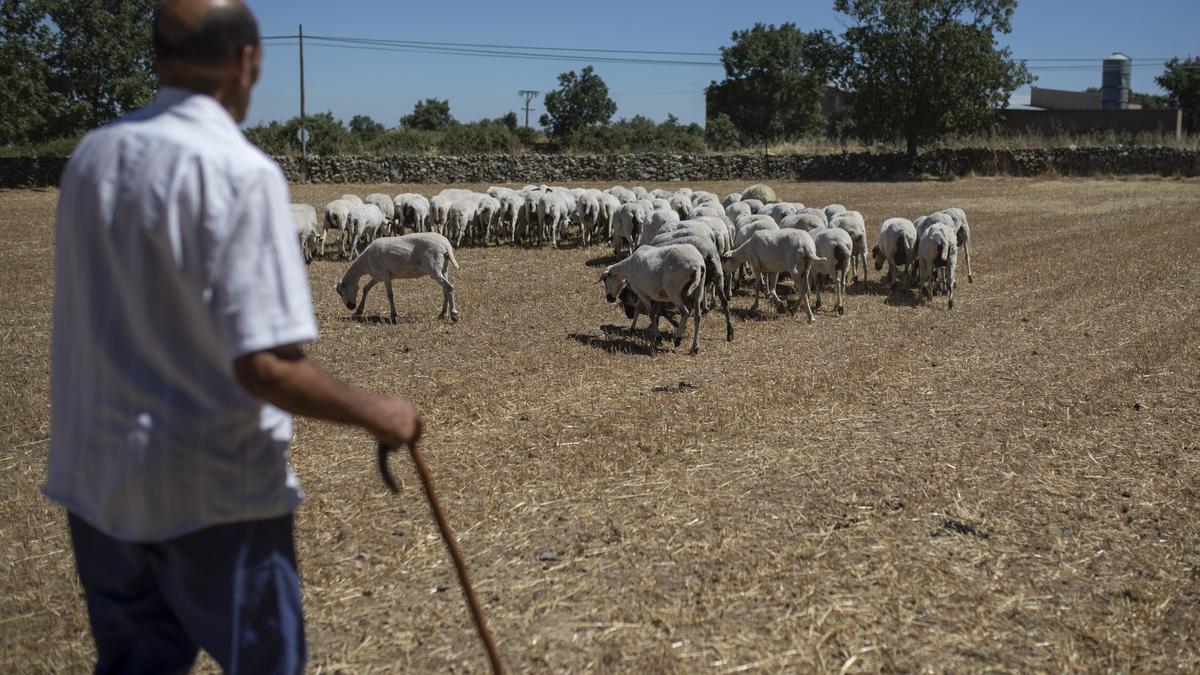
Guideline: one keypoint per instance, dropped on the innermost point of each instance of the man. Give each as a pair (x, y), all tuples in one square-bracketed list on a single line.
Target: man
[(180, 305)]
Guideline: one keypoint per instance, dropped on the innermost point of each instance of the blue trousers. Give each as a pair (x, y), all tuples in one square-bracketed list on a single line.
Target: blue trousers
[(232, 590)]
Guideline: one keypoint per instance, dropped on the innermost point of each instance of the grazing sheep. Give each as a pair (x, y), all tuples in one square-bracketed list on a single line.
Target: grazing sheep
[(439, 212), (854, 223), (366, 222), (487, 212), (623, 194), (779, 211), (806, 221), (833, 244), (760, 192), (962, 233), (938, 250), (337, 217), (553, 211), (680, 204), (731, 199), (628, 222), (386, 206), (639, 192), (896, 246), (816, 213), (657, 222), (608, 209), (754, 204), (412, 210), (587, 210), (353, 199), (770, 252), (713, 265), (304, 217), (673, 274), (408, 257), (737, 210), (833, 210)]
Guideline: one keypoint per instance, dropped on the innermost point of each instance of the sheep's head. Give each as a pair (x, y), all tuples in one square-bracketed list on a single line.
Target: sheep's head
[(348, 293), (877, 256), (612, 285)]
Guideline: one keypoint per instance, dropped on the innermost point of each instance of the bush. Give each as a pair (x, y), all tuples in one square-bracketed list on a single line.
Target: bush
[(639, 135), (405, 142), (721, 134), (485, 138)]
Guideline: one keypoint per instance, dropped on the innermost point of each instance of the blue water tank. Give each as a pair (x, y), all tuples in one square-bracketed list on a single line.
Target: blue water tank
[(1115, 82)]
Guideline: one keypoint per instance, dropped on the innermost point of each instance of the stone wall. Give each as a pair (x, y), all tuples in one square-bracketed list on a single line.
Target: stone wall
[(534, 168)]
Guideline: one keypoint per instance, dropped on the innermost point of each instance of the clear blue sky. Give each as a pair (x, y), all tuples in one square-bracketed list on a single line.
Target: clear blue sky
[(386, 84)]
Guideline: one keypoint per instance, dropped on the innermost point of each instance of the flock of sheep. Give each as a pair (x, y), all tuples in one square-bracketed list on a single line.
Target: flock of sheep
[(674, 247)]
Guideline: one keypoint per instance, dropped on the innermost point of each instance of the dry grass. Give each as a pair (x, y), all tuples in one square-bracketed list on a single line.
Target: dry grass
[(900, 489)]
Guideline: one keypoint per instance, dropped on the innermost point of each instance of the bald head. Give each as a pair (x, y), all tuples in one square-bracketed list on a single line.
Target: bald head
[(203, 32)]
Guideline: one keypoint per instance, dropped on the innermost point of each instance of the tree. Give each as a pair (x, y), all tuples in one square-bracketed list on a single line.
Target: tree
[(579, 102), (1181, 79), (720, 133), (67, 66), (430, 115), (925, 68), (365, 128), (774, 80)]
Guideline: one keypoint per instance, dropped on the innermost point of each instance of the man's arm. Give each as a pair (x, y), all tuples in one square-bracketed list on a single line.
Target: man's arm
[(285, 378)]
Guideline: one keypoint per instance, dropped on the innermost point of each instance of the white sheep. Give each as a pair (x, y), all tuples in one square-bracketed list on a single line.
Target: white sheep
[(671, 274), (854, 224), (770, 252), (462, 216), (628, 222), (366, 222), (337, 217), (656, 222), (962, 233), (833, 244), (587, 210), (938, 250), (714, 273), (897, 246), (412, 210), (408, 257), (754, 204), (815, 213), (304, 217), (623, 194), (737, 210), (386, 206), (833, 210), (806, 221), (608, 210), (553, 211), (353, 199), (779, 211), (731, 199)]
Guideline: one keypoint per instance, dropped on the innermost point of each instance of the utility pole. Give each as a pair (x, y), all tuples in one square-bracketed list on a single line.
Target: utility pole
[(304, 142), (528, 94)]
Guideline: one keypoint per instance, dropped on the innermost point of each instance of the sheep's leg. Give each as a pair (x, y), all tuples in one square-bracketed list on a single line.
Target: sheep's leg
[(723, 295), (447, 293), (863, 257), (967, 257), (758, 284), (391, 299), (655, 312), (950, 273), (637, 311), (816, 288), (840, 279), (891, 277), (683, 317), (696, 327), (363, 302), (804, 288)]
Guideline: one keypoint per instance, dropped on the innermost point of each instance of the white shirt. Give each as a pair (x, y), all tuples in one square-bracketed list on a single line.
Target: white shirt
[(174, 254)]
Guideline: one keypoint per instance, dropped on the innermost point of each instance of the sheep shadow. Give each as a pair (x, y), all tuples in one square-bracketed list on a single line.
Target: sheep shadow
[(767, 311), (613, 342), (902, 297), (379, 319), (602, 261)]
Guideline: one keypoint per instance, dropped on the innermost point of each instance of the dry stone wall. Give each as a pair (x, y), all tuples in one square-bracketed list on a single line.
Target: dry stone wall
[(537, 168)]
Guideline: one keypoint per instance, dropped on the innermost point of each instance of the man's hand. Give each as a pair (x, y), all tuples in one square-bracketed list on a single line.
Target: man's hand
[(396, 423)]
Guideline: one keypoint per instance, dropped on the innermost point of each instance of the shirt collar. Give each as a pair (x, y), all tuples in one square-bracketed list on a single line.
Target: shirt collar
[(196, 103)]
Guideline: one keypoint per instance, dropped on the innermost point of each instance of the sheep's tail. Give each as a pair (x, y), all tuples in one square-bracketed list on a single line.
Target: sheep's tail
[(696, 285), (841, 254), (901, 257), (450, 259), (942, 257)]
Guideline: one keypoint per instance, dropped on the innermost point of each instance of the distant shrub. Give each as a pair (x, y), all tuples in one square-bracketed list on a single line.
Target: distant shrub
[(483, 138)]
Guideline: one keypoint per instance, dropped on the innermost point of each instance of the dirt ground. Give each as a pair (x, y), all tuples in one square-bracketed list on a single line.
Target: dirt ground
[(1012, 486)]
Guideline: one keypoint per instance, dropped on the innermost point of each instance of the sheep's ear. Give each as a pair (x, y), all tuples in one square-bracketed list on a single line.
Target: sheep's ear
[(727, 256)]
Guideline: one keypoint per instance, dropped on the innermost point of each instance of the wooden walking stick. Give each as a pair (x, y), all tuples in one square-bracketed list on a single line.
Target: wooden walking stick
[(460, 565)]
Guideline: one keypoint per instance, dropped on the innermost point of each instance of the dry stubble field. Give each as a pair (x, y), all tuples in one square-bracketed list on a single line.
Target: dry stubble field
[(1012, 486)]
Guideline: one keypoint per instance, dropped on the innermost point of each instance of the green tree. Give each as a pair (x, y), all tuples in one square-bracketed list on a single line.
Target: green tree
[(365, 128), (579, 102), (925, 68), (774, 80), (67, 66), (431, 115), (720, 133), (1181, 79)]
